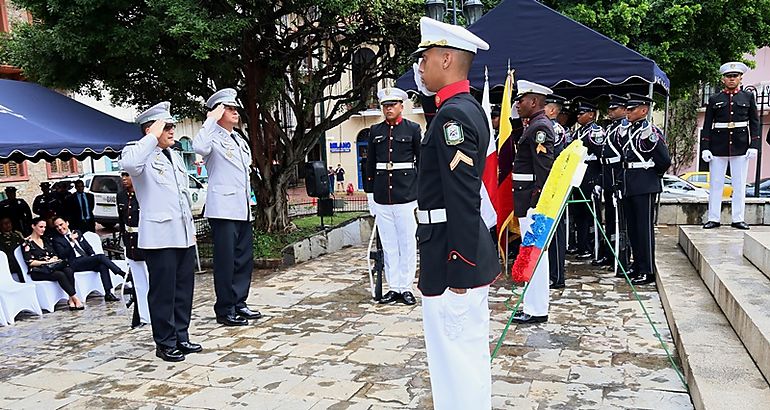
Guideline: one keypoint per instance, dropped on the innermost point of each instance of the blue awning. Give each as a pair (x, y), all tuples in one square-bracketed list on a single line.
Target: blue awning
[(553, 50), (37, 123)]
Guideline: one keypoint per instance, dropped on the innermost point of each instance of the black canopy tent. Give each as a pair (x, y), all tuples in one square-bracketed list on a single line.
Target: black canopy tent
[(553, 50), (37, 123)]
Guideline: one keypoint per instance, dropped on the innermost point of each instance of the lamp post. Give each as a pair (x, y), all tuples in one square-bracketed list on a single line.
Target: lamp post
[(471, 9), (761, 95)]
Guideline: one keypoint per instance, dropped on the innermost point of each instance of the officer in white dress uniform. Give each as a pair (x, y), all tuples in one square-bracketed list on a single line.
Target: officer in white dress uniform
[(228, 162), (730, 136), (458, 259), (166, 231), (391, 181)]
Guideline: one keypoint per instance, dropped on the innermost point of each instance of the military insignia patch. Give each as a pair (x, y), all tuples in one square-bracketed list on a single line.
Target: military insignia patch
[(540, 137), (453, 133)]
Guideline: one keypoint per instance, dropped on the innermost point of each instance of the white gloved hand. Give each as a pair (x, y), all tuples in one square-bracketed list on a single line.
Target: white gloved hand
[(751, 153), (706, 155), (598, 190), (372, 204), (515, 111), (418, 79)]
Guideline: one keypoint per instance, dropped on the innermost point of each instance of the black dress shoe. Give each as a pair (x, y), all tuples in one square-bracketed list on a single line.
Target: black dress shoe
[(232, 320), (601, 261), (525, 319), (572, 251), (247, 313), (390, 297), (631, 274), (584, 255), (740, 225), (189, 347), (711, 225), (644, 279), (110, 297), (169, 354), (408, 298), (556, 286)]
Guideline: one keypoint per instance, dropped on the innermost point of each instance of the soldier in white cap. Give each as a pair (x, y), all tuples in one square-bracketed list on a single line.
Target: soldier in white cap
[(458, 259), (534, 158), (730, 136), (228, 162), (391, 180), (166, 231)]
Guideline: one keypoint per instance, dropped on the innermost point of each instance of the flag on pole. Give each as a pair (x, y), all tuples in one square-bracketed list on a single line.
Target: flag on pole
[(489, 175), (505, 152)]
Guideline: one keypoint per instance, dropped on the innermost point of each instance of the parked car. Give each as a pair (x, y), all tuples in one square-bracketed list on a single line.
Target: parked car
[(701, 179), (764, 188), (105, 186), (675, 187)]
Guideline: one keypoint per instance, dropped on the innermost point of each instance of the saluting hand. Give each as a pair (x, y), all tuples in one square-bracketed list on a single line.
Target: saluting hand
[(216, 113), (156, 128)]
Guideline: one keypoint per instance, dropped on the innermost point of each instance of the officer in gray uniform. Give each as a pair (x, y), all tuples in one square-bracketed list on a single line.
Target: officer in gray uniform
[(646, 159), (558, 248), (166, 231), (592, 136), (228, 162), (392, 156)]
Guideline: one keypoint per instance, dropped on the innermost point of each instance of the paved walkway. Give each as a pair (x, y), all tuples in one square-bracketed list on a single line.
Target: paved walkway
[(324, 345)]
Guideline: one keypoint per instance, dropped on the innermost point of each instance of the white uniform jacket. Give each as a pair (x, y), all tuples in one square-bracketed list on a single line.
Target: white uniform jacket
[(162, 191), (228, 162)]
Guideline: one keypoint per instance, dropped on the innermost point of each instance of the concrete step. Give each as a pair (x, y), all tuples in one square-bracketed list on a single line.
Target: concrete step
[(719, 371), (739, 288), (756, 248)]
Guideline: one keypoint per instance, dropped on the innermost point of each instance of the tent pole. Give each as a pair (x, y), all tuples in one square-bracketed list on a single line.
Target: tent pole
[(665, 118)]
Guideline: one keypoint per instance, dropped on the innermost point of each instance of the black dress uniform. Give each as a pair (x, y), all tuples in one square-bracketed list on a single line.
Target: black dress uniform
[(128, 220), (457, 251), (558, 248), (731, 124), (646, 158), (18, 210), (592, 136), (612, 181), (392, 154)]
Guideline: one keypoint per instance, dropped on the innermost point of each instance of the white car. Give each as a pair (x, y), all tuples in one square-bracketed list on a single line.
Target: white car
[(105, 186), (675, 187)]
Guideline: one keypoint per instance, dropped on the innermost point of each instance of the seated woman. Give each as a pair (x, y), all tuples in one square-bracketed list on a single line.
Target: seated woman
[(45, 265)]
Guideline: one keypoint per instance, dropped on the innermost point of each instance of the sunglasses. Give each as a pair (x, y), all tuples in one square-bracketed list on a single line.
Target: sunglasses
[(169, 127), (732, 75)]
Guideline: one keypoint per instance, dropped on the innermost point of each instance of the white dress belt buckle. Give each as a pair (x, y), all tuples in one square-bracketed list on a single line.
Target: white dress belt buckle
[(433, 216), (523, 177)]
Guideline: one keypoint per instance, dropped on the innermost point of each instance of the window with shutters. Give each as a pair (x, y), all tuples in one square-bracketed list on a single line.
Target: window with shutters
[(13, 171), (60, 168)]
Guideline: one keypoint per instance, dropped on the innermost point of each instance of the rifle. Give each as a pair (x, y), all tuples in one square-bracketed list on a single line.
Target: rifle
[(376, 264)]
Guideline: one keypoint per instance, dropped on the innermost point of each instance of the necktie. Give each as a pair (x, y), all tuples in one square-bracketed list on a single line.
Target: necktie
[(167, 153), (75, 245), (83, 205)]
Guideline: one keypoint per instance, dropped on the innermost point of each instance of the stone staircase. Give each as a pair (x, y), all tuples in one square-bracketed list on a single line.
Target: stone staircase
[(715, 288)]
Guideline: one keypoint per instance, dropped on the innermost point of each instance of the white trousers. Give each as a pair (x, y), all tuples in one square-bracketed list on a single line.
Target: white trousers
[(398, 229), (141, 287), (457, 343), (717, 168), (537, 297)]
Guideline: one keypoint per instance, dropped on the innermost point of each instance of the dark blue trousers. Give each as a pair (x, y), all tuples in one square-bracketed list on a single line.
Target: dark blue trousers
[(233, 263)]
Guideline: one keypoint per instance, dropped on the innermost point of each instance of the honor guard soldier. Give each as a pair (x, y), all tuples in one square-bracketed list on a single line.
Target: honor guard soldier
[(592, 136), (531, 166), (41, 205), (228, 162), (128, 220), (391, 177), (166, 231), (17, 209), (458, 259), (646, 159), (557, 251), (611, 180), (730, 135)]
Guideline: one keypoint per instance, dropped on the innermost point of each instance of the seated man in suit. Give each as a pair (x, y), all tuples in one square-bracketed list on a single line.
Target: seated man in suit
[(71, 246)]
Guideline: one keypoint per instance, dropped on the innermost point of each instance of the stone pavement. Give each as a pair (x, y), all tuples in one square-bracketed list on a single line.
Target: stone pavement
[(324, 345)]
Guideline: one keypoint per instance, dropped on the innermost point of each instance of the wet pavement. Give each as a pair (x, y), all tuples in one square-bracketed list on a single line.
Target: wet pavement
[(324, 345)]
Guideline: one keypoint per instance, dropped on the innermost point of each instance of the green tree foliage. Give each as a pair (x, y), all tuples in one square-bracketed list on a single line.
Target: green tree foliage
[(688, 39), (682, 139), (281, 55)]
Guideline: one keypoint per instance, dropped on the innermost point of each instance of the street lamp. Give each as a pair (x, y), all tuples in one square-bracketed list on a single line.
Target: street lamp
[(472, 9)]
